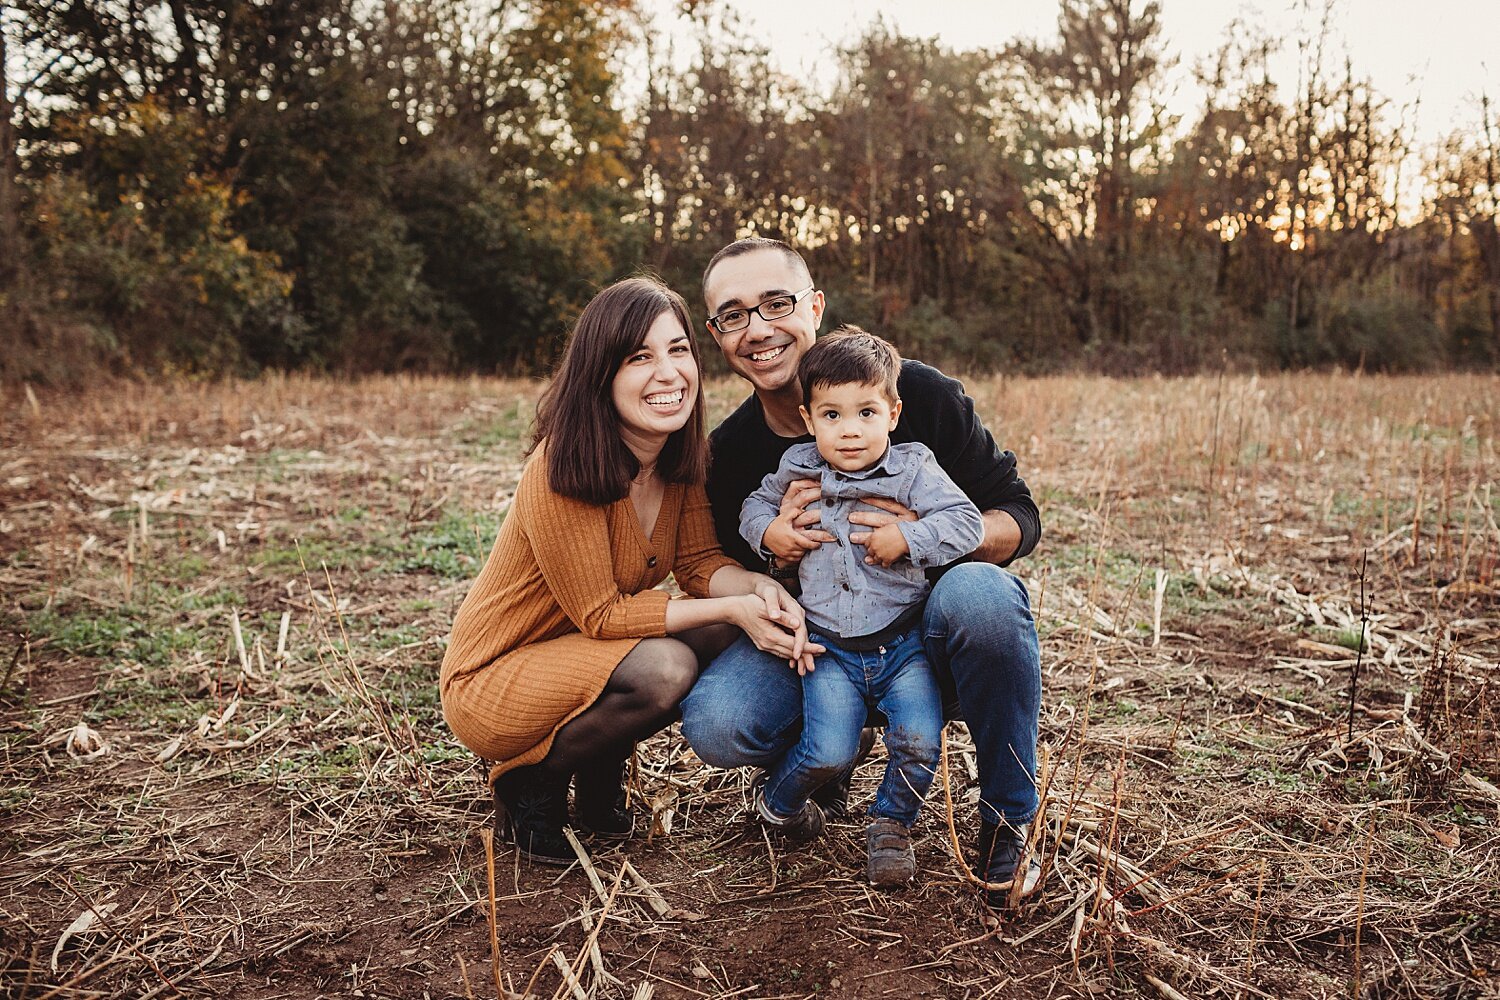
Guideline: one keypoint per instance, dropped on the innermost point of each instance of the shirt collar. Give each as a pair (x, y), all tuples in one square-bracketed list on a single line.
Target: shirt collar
[(886, 465)]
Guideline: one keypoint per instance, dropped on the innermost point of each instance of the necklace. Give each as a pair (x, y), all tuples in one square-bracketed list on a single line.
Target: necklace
[(647, 471)]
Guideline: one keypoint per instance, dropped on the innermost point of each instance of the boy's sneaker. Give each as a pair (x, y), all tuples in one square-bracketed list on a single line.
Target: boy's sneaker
[(892, 861), (799, 828), (1000, 849)]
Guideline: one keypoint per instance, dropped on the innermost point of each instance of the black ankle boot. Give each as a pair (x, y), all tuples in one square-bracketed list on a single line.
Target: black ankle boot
[(531, 808), (600, 801), (1000, 849)]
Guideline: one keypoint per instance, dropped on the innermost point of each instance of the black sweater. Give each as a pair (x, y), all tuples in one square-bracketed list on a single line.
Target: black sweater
[(935, 411)]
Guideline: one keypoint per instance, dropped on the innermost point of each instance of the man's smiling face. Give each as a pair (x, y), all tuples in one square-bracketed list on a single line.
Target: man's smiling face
[(767, 351)]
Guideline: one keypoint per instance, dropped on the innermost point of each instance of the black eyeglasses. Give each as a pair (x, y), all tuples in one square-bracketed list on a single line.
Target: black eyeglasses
[(736, 319)]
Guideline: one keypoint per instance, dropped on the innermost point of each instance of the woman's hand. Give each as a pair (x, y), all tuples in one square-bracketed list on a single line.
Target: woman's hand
[(758, 606), (775, 623)]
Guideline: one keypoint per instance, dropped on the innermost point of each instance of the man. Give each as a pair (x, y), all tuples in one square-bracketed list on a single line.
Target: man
[(746, 708)]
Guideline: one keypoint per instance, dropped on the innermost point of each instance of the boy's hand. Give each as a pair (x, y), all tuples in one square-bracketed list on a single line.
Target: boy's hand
[(795, 531), (885, 545)]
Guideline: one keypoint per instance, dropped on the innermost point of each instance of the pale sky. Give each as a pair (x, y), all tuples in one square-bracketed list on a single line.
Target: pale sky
[(1435, 49)]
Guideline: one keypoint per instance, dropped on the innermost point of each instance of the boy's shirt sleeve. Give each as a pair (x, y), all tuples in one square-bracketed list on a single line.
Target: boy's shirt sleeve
[(761, 507), (949, 525)]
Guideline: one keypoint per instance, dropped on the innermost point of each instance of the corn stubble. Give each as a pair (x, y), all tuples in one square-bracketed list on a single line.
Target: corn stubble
[(224, 613)]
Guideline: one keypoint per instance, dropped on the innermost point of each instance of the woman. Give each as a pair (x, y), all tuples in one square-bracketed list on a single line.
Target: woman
[(563, 655)]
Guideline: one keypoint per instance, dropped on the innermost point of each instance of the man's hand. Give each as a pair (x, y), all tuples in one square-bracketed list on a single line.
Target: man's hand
[(794, 532)]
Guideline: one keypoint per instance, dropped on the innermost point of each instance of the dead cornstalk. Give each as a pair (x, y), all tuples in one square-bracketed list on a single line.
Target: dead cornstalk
[(1359, 653), (488, 836), (593, 937), (1359, 906), (1260, 888)]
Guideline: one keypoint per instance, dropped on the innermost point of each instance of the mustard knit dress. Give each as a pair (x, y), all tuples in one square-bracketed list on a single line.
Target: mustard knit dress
[(565, 594)]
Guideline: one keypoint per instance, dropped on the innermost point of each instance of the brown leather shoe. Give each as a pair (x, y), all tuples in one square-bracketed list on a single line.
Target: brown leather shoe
[(891, 860)]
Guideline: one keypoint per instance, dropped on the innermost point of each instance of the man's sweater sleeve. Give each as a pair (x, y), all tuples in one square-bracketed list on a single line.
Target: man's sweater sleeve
[(967, 452), (726, 493)]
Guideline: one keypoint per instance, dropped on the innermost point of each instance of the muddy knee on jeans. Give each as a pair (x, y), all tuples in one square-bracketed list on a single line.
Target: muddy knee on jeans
[(823, 760), (906, 743), (913, 764)]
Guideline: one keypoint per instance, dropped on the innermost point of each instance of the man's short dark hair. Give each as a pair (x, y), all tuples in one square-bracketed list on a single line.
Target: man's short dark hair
[(751, 244), (847, 356)]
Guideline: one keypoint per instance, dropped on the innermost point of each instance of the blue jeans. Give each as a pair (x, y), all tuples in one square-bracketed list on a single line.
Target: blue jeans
[(836, 699), (977, 629)]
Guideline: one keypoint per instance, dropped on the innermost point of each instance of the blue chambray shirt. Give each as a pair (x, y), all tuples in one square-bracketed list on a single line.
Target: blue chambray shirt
[(844, 596)]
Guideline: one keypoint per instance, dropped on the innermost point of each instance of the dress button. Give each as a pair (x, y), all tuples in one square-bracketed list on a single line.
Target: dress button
[(651, 563), (844, 585)]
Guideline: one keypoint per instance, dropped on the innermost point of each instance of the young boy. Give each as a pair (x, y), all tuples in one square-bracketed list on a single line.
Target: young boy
[(863, 602)]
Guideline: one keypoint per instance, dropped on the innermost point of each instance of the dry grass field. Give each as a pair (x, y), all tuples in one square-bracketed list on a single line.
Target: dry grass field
[(1270, 622)]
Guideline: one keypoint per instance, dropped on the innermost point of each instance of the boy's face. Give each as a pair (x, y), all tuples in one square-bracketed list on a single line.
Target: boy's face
[(852, 424)]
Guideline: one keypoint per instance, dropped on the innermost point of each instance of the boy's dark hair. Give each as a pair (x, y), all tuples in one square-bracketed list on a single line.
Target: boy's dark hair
[(751, 244), (850, 355), (586, 457)]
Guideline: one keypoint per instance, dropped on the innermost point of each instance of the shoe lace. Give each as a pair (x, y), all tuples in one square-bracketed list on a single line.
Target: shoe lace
[(537, 808)]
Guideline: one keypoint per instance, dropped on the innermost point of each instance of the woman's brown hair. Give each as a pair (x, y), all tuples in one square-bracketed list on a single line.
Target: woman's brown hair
[(587, 458)]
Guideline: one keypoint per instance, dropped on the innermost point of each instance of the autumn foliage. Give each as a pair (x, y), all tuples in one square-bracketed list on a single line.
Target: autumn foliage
[(190, 185)]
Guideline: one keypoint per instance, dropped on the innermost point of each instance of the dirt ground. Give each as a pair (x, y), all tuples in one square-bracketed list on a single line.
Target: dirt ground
[(1270, 624)]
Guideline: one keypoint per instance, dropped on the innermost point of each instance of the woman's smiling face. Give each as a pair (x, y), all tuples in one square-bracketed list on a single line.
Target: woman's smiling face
[(656, 385)]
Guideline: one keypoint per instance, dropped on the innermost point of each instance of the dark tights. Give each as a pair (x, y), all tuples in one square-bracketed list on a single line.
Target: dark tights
[(640, 699)]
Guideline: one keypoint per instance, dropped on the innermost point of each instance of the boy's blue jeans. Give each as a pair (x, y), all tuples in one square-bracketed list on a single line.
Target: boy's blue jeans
[(836, 698), (746, 708)]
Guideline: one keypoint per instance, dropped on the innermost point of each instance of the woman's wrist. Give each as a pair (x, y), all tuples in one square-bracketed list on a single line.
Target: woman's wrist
[(740, 612)]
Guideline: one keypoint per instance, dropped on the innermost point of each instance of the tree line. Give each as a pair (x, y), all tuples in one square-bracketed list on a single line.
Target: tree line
[(222, 186)]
